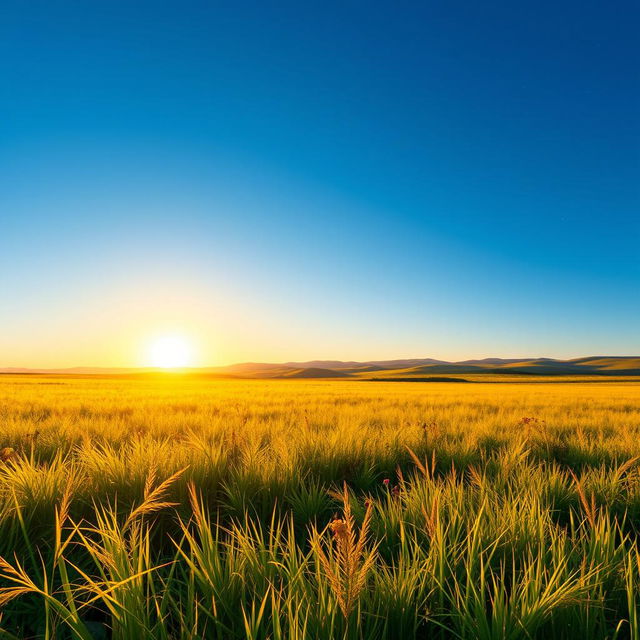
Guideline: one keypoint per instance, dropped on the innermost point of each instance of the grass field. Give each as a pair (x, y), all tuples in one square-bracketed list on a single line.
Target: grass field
[(181, 507)]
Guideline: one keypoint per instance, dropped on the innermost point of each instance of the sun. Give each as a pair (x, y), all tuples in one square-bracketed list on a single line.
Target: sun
[(172, 351)]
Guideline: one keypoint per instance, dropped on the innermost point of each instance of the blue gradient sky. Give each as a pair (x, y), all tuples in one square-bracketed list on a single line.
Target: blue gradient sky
[(318, 180)]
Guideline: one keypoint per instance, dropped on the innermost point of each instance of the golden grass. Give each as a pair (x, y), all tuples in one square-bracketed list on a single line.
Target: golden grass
[(182, 506)]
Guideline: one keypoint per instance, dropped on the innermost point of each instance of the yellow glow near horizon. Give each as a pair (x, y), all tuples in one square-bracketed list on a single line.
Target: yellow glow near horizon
[(172, 351)]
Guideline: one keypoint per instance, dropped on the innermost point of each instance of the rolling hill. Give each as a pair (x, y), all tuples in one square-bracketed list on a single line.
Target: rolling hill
[(405, 369), (415, 367)]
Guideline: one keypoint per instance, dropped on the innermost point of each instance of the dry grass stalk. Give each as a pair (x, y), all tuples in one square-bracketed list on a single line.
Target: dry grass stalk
[(623, 468), (154, 497), (588, 505), (475, 476), (20, 581), (346, 562), (427, 469), (432, 517)]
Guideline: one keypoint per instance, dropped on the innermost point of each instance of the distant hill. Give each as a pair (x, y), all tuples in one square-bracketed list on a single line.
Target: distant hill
[(317, 372), (414, 367), (390, 369)]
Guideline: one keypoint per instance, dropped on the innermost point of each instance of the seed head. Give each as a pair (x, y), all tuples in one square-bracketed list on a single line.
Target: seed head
[(339, 528)]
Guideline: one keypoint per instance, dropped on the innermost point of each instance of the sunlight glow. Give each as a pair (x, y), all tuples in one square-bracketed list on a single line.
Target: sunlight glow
[(170, 352)]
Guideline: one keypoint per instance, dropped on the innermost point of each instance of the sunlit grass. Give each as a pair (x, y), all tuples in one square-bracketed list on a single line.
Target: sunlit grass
[(181, 507)]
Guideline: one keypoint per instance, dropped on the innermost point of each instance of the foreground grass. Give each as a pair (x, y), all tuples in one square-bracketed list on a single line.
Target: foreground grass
[(178, 507)]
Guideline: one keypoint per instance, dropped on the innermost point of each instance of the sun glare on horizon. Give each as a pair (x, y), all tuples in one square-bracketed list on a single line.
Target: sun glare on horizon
[(172, 351)]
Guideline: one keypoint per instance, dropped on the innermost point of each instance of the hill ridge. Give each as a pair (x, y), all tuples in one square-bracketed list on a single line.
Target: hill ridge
[(586, 365)]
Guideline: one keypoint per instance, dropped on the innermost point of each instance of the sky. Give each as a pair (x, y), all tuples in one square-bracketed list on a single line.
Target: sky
[(301, 180)]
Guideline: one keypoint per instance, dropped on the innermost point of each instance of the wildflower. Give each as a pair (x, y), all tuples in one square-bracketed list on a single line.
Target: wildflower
[(386, 482)]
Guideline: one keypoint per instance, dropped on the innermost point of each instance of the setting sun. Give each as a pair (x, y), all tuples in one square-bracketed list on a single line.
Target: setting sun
[(170, 352)]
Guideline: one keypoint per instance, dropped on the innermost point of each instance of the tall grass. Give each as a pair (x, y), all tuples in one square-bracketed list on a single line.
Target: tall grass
[(178, 508)]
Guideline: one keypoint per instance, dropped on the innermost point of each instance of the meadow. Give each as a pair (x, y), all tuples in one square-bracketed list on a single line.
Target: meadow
[(176, 507)]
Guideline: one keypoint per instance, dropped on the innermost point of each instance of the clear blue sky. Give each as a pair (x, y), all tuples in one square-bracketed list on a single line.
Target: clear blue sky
[(302, 180)]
